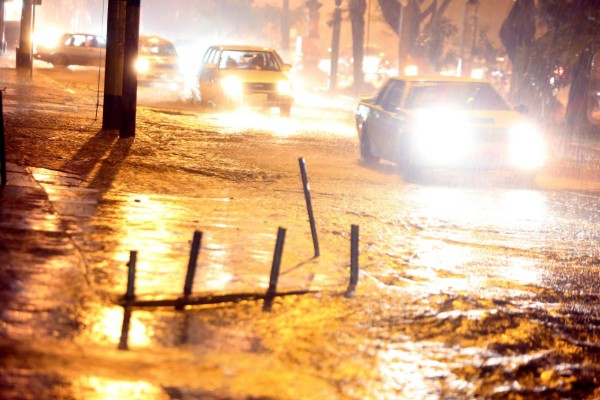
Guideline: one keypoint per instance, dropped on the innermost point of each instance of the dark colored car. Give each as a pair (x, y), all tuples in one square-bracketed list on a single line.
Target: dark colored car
[(450, 123)]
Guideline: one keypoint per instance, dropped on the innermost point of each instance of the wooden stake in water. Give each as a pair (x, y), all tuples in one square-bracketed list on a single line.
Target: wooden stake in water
[(353, 261), (129, 296), (275, 269), (311, 217), (191, 270)]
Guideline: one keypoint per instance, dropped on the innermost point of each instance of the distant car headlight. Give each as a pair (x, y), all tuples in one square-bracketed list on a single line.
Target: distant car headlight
[(142, 65), (284, 88), (232, 86), (442, 137), (527, 147)]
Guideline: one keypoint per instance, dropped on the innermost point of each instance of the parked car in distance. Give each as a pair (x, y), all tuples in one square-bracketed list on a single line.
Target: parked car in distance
[(158, 63), (232, 76), (75, 49), (449, 123)]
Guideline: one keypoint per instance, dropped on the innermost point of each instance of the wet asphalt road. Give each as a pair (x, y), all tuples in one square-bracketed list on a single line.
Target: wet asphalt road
[(470, 286)]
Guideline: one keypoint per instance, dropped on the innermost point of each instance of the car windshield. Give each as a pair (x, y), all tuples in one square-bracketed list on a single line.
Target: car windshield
[(469, 95), (154, 46), (239, 59)]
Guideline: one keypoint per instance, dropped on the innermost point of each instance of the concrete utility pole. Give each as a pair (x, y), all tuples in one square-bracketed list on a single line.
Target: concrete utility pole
[(24, 59), (129, 99), (2, 49), (403, 36), (113, 73), (285, 26), (335, 45)]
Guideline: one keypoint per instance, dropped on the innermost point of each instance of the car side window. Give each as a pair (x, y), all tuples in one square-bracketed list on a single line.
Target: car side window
[(92, 42), (100, 42), (391, 97), (78, 41), (209, 55), (214, 57)]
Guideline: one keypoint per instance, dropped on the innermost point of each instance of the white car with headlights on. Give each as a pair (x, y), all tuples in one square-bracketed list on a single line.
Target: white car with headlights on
[(449, 123), (74, 49), (233, 76)]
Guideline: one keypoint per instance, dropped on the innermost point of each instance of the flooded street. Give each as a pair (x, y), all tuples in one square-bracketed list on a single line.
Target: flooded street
[(471, 286)]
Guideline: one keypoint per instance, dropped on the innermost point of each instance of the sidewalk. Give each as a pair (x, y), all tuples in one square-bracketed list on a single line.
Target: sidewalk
[(32, 233)]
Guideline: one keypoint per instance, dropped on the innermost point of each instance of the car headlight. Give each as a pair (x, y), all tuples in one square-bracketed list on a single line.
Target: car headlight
[(284, 88), (527, 147), (142, 65), (232, 86), (442, 137)]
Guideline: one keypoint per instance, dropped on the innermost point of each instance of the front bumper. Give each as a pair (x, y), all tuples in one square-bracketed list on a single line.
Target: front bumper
[(491, 150)]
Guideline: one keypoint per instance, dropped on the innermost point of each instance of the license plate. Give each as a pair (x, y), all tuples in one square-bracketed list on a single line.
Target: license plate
[(257, 97)]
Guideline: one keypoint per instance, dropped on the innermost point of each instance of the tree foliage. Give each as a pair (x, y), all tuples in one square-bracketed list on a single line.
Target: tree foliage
[(570, 39), (429, 31)]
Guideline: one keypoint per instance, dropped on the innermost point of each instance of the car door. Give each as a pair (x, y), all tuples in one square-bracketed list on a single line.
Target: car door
[(386, 124), (95, 50), (207, 74), (74, 49)]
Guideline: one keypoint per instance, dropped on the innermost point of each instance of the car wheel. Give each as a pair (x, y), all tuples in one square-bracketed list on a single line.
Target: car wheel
[(366, 154), (202, 97), (410, 171), (60, 60)]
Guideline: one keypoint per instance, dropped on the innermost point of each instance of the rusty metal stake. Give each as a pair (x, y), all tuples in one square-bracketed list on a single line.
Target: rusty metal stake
[(2, 145), (129, 297), (191, 270), (353, 261), (130, 294), (311, 217), (275, 270)]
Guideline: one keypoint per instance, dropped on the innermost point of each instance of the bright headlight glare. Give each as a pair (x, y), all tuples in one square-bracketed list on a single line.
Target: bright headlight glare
[(527, 147), (284, 88), (142, 65), (232, 86), (442, 137)]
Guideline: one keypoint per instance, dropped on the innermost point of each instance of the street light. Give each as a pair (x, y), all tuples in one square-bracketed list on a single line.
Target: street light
[(469, 28)]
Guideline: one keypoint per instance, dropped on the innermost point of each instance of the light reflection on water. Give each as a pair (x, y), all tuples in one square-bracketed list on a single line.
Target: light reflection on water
[(460, 227), (410, 372), (110, 389), (215, 276), (508, 208), (145, 228), (232, 258), (244, 119), (107, 324)]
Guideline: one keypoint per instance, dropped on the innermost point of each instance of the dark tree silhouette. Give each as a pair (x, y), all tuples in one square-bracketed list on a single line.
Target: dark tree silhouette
[(428, 29), (357, 9), (570, 39)]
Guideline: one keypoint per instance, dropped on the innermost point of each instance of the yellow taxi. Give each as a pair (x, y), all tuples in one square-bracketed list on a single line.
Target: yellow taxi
[(232, 76)]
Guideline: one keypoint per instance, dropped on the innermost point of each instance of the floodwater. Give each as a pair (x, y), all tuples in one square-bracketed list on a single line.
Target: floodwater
[(470, 286)]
